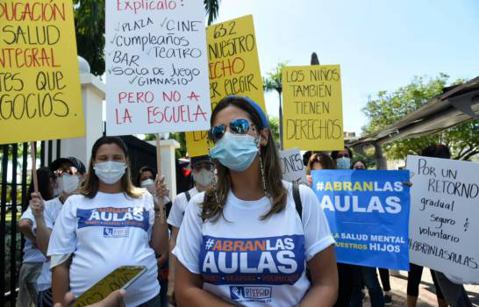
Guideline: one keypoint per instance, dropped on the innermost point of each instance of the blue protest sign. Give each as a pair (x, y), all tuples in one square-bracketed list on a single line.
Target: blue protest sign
[(368, 213)]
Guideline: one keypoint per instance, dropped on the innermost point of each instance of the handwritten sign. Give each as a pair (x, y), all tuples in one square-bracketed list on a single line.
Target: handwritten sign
[(39, 81), (196, 143), (444, 223), (120, 278), (233, 66), (157, 67), (313, 117), (368, 213), (292, 166)]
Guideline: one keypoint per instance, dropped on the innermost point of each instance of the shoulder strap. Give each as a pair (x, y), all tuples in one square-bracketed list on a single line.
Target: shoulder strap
[(297, 200), (188, 196)]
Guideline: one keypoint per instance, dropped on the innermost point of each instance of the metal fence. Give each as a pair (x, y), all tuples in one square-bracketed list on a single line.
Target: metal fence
[(15, 180)]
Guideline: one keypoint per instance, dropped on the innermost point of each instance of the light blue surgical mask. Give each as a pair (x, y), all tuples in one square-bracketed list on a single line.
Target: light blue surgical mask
[(235, 151), (343, 163)]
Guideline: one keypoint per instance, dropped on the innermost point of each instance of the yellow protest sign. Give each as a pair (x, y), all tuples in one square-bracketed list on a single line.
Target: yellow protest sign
[(120, 278), (39, 80), (233, 68), (196, 143), (312, 111)]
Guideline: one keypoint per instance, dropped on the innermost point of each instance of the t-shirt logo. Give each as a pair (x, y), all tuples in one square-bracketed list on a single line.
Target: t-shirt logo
[(251, 293), (114, 217), (266, 261)]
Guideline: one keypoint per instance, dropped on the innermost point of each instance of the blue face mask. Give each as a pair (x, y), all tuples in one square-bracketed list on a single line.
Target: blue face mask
[(234, 151), (343, 163)]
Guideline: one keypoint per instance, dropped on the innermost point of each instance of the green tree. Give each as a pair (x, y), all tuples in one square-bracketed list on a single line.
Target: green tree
[(90, 29), (272, 82), (387, 107)]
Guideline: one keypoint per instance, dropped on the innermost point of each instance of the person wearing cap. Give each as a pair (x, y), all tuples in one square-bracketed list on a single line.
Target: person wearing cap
[(69, 173), (203, 173), (245, 241)]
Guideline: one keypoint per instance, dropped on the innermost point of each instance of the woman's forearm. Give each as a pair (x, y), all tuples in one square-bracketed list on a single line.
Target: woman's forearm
[(60, 282), (320, 295), (159, 238)]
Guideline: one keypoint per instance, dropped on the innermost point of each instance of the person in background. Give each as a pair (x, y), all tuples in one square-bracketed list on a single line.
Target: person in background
[(69, 173), (452, 288), (146, 179), (248, 228), (203, 173), (318, 161), (32, 256), (364, 274), (109, 224), (346, 272)]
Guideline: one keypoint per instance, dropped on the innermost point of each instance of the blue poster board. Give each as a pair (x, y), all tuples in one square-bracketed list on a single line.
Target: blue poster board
[(368, 212)]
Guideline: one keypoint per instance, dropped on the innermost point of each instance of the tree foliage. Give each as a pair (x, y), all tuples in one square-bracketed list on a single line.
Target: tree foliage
[(90, 29), (386, 108)]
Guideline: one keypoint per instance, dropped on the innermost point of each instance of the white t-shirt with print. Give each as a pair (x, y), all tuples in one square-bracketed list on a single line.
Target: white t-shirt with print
[(178, 208), (31, 253), (249, 261), (104, 233), (50, 214)]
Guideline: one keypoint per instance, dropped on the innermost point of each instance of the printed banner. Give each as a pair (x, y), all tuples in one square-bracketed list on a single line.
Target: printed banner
[(444, 222), (233, 68), (293, 166), (312, 108), (368, 214), (40, 95), (156, 65)]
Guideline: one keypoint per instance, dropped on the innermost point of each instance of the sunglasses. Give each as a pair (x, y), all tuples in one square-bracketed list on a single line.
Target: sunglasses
[(237, 126)]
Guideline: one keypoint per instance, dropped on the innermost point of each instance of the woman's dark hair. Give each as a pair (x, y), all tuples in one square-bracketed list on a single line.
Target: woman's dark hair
[(437, 151), (335, 153), (215, 198), (45, 187), (321, 158), (359, 160), (141, 171), (89, 186)]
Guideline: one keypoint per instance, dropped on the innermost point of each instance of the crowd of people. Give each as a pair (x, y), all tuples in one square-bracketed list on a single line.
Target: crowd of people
[(240, 236)]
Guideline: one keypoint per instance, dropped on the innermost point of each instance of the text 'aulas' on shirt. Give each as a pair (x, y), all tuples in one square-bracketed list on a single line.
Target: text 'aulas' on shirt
[(246, 260)]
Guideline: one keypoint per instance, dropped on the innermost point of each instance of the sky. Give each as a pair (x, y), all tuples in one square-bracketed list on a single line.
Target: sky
[(380, 45)]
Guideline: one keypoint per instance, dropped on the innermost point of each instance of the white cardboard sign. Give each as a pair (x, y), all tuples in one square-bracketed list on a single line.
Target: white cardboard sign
[(292, 166), (444, 216), (156, 67)]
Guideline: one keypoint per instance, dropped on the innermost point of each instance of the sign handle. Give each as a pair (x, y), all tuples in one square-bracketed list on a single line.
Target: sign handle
[(158, 168), (34, 166)]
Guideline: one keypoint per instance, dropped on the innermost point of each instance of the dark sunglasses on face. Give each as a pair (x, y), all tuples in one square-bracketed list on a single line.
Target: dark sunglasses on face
[(237, 126)]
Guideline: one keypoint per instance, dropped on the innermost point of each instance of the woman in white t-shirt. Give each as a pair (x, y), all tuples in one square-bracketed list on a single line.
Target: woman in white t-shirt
[(244, 242), (110, 224)]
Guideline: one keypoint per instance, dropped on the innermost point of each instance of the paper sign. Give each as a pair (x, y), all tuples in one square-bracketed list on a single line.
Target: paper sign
[(39, 81), (120, 278), (196, 143), (368, 214), (157, 67), (292, 166), (312, 108), (233, 66), (444, 222)]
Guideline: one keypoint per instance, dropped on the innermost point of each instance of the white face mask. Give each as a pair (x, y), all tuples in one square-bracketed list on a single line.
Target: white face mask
[(110, 172), (148, 184), (68, 183), (204, 177)]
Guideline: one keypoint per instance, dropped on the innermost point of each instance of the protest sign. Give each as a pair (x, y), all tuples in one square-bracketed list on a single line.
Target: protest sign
[(39, 80), (196, 143), (368, 214), (156, 66), (312, 108), (292, 166), (444, 222), (233, 66)]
